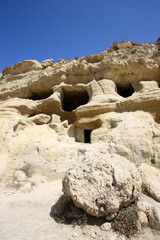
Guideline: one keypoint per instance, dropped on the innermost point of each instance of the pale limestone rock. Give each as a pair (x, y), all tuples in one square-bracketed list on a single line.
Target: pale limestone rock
[(26, 188), (123, 44), (20, 176), (22, 67), (150, 180), (96, 86), (47, 63), (55, 118), (152, 210), (40, 118), (156, 57), (83, 112), (33, 149), (61, 61), (93, 235), (143, 219), (129, 134), (130, 65), (59, 128), (145, 86), (100, 184), (103, 91), (106, 226)]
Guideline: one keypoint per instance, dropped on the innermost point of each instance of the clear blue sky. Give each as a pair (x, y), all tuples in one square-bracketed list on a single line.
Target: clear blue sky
[(36, 29)]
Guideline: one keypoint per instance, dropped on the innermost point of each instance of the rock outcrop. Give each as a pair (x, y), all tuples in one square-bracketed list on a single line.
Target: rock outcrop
[(98, 113)]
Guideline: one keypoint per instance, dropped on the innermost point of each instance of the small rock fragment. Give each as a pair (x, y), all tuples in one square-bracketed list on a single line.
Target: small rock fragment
[(20, 176), (106, 226), (143, 219), (93, 235)]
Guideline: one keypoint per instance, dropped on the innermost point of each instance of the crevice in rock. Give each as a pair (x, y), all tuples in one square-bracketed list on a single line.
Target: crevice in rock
[(39, 96), (18, 125), (125, 91), (114, 183)]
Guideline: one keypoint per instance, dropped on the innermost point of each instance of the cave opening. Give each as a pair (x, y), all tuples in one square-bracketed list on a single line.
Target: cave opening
[(125, 91), (39, 96), (73, 98), (87, 135)]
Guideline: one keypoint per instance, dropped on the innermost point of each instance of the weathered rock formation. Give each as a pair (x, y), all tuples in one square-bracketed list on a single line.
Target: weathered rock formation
[(54, 116), (101, 185)]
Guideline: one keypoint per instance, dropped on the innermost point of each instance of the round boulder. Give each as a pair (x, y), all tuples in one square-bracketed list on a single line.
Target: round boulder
[(101, 184)]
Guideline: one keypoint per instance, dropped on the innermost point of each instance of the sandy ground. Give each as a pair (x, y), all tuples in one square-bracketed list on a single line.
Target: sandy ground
[(26, 216)]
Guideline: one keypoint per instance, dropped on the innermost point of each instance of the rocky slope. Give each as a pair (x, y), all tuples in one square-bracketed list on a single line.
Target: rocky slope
[(97, 116)]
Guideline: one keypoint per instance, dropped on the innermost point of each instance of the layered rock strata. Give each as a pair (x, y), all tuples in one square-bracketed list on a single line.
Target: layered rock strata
[(53, 114)]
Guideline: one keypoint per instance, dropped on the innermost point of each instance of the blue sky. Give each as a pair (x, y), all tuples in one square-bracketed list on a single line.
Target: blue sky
[(43, 29)]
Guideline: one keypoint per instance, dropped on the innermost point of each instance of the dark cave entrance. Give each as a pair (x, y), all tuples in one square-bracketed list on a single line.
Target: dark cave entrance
[(87, 135), (125, 91), (74, 98), (40, 96)]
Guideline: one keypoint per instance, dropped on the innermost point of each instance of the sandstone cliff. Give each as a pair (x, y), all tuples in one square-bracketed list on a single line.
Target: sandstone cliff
[(92, 111)]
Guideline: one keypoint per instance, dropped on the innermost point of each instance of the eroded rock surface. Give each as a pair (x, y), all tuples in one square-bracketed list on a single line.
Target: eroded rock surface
[(98, 113), (152, 210), (151, 179), (101, 185)]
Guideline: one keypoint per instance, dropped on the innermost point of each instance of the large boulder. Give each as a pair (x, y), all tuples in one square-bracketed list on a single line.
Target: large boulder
[(102, 184)]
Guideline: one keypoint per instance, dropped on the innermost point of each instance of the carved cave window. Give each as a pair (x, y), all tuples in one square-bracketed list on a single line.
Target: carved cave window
[(125, 91), (73, 98)]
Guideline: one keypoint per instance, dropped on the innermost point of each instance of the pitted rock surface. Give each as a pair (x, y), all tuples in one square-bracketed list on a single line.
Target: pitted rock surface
[(102, 184)]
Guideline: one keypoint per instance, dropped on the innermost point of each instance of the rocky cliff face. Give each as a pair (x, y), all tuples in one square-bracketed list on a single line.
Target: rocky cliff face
[(56, 115)]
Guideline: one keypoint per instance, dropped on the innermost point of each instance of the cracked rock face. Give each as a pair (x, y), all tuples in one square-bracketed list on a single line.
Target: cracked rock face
[(102, 184)]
